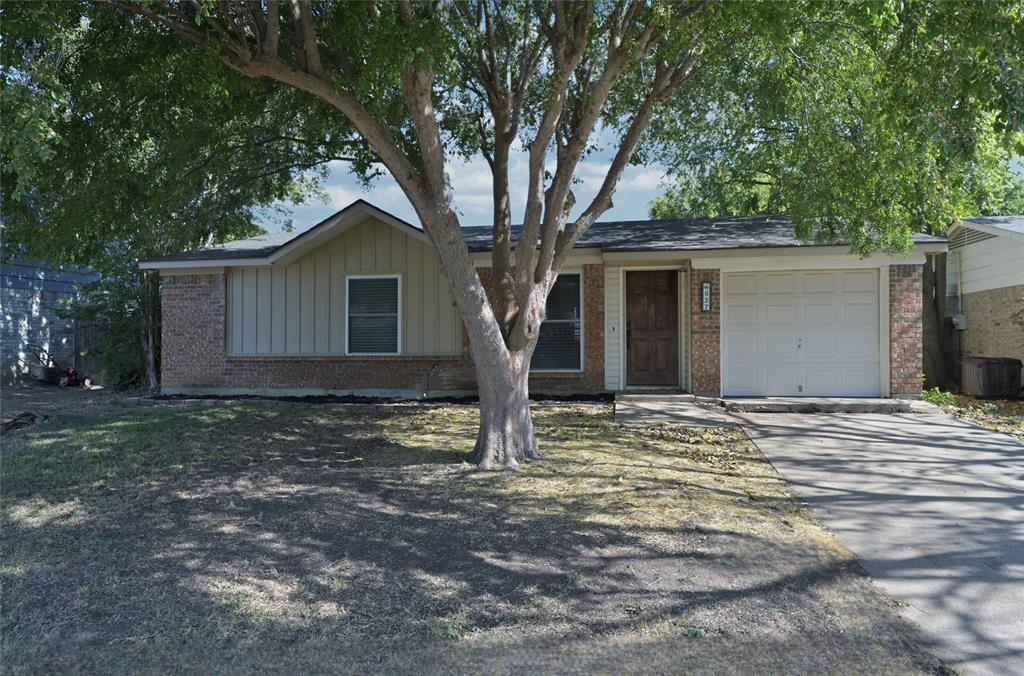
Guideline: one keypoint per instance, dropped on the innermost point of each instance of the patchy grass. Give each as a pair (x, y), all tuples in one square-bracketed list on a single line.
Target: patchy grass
[(298, 539), (1000, 415)]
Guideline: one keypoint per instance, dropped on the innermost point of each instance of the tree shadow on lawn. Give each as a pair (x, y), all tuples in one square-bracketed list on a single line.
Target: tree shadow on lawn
[(273, 540)]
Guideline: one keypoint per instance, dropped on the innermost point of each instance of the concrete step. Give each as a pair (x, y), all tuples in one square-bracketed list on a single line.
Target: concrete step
[(668, 397), (816, 405)]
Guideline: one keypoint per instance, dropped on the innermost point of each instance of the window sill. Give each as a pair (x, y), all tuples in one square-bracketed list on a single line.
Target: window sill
[(342, 357), (557, 374)]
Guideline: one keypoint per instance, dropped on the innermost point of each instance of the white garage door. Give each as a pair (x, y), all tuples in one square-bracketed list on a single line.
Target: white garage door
[(809, 333)]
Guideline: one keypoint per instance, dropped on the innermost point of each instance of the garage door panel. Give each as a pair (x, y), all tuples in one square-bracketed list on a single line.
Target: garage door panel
[(819, 282), (821, 378), (820, 314), (860, 281), (781, 379), (780, 348), (797, 333), (743, 284), (864, 380), (860, 346), (779, 283), (743, 378), (780, 314), (742, 315), (740, 347), (824, 346), (860, 314)]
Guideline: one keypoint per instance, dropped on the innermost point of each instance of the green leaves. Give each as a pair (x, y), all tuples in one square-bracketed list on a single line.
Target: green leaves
[(864, 121)]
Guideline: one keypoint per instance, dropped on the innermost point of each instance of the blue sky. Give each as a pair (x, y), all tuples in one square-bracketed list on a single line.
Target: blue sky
[(472, 184)]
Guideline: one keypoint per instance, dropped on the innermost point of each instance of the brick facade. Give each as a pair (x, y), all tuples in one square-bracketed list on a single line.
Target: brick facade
[(990, 329), (705, 334), (905, 330), (195, 359)]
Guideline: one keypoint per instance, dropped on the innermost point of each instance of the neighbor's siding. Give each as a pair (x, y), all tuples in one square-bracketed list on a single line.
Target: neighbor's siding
[(300, 309), (986, 262), (31, 298)]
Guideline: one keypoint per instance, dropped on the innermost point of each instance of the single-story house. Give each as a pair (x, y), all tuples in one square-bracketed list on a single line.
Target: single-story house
[(985, 286), (725, 306)]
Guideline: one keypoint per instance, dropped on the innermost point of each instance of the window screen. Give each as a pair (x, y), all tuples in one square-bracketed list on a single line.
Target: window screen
[(373, 315), (560, 342)]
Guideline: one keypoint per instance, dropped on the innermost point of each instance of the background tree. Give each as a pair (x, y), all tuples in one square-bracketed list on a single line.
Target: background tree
[(112, 154), (859, 84)]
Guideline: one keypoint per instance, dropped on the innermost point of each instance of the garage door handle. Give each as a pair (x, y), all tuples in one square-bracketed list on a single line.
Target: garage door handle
[(799, 343)]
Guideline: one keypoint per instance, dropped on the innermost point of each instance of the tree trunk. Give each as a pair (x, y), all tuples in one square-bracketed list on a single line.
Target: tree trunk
[(936, 371), (506, 437), (150, 327)]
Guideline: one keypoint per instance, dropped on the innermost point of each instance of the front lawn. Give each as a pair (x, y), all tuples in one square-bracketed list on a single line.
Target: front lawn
[(297, 539)]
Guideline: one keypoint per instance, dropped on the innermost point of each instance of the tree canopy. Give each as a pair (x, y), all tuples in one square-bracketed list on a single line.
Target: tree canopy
[(869, 129)]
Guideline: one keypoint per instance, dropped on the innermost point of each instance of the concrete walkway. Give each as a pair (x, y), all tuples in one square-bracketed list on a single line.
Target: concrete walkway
[(935, 509), (675, 409)]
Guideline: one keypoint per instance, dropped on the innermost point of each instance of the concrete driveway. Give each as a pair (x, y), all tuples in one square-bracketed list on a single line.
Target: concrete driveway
[(934, 507)]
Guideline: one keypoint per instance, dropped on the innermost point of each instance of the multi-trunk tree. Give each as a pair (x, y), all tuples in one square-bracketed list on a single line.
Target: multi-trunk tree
[(414, 83)]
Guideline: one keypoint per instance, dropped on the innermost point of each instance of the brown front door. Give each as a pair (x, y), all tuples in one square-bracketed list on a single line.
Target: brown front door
[(652, 328)]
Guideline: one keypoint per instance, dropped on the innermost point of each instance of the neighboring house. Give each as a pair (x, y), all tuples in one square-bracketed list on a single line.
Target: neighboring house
[(733, 306), (985, 285), (33, 293)]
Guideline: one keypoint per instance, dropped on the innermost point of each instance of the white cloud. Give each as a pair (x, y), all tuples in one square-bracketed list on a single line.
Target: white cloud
[(340, 197), (639, 178)]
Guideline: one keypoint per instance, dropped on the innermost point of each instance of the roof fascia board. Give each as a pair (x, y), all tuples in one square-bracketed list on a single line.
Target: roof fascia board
[(761, 252), (204, 264), (822, 262), (172, 272)]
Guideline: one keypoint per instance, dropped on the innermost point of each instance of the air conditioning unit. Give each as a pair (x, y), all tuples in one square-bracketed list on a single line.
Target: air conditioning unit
[(991, 377)]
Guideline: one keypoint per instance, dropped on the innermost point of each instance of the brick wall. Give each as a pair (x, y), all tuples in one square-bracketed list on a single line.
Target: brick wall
[(194, 353), (990, 331), (905, 333), (705, 334)]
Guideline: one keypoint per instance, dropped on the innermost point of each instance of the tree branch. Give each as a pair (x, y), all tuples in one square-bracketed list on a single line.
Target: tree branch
[(273, 29), (304, 20)]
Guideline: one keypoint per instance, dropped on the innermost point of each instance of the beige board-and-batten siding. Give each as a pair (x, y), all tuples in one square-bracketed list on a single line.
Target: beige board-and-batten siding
[(299, 309)]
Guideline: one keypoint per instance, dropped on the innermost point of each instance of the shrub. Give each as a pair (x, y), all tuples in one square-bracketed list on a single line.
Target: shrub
[(938, 397)]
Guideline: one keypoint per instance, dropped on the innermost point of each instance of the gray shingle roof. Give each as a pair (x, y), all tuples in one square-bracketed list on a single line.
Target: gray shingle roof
[(1012, 223), (679, 234), (254, 247)]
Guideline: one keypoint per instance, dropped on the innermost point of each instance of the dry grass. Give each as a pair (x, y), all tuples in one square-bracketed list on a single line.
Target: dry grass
[(1000, 415), (256, 538)]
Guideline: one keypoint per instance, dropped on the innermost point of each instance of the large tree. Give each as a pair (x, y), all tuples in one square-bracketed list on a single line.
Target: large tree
[(416, 82)]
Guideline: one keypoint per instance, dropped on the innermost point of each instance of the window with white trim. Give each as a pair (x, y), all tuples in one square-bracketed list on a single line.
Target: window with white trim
[(373, 308), (560, 345)]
